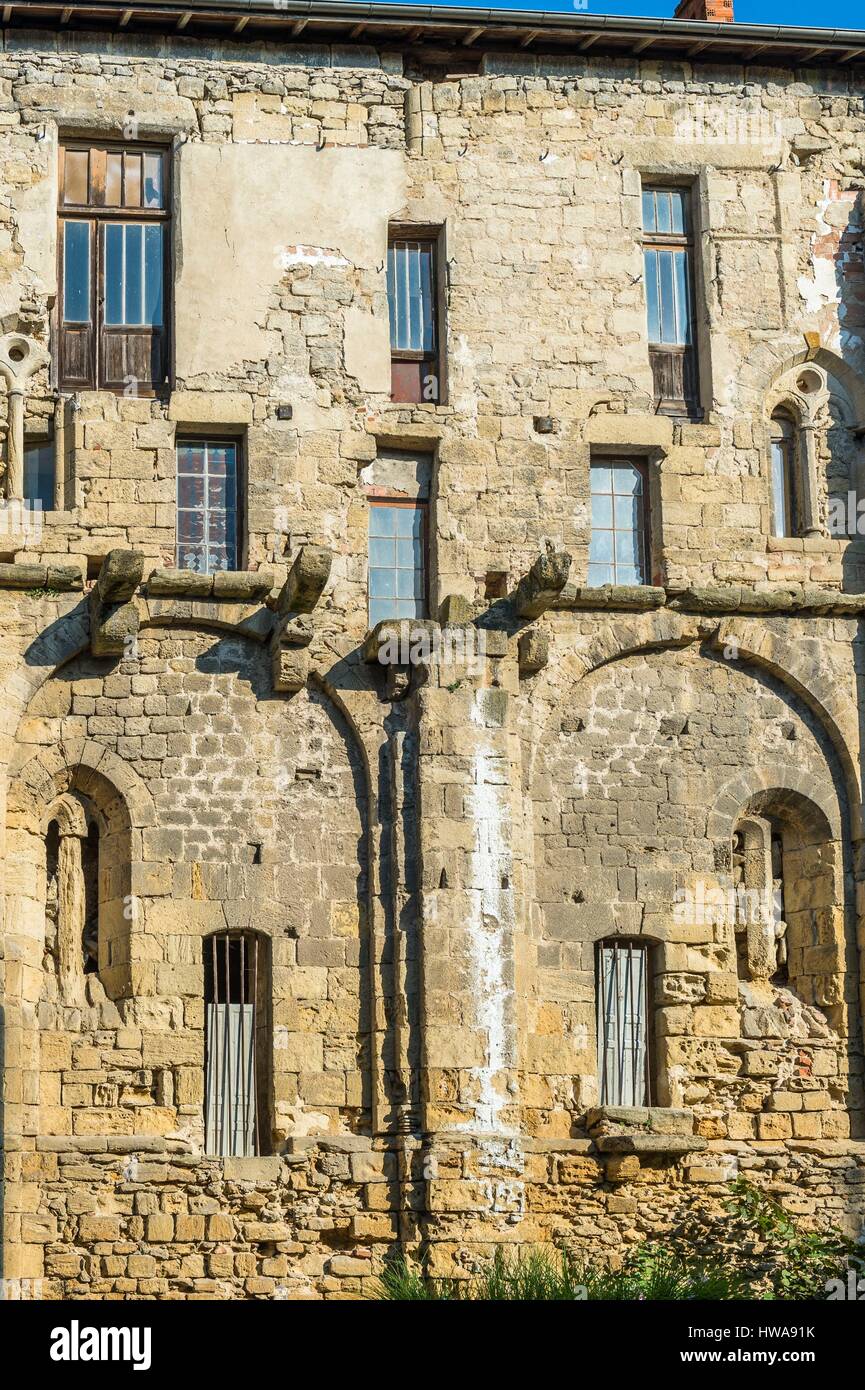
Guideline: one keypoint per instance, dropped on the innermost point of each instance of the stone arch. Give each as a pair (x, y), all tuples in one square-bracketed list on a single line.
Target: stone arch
[(793, 668), (810, 807), (664, 628), (643, 794), (56, 645), (624, 636), (37, 777), (769, 361), (843, 381), (73, 784)]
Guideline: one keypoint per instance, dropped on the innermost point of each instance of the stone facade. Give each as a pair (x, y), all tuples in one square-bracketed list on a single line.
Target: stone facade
[(431, 851)]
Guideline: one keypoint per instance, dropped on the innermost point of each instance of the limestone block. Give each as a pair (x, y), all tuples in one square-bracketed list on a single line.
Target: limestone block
[(538, 590), (533, 651), (113, 627), (119, 576), (290, 667), (307, 577), (244, 585), (179, 583)]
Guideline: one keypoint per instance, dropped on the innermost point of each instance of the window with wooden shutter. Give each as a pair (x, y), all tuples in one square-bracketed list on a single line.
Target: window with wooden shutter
[(624, 1043), (668, 252), (114, 254), (413, 294)]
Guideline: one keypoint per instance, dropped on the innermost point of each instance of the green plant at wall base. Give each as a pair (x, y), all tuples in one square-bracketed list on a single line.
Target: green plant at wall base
[(753, 1250), (782, 1260), (651, 1272)]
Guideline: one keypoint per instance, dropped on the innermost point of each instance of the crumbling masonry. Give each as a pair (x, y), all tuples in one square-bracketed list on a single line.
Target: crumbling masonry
[(435, 853)]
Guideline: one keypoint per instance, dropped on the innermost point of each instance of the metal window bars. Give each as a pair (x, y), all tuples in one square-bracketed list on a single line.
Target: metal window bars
[(232, 1119), (623, 1023)]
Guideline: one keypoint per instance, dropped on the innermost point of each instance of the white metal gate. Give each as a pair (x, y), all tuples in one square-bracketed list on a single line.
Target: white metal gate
[(231, 993), (623, 1023)]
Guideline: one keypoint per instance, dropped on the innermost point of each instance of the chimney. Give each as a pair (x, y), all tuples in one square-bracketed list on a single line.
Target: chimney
[(716, 11)]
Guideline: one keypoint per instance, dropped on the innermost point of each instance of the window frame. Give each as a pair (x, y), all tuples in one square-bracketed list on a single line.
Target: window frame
[(207, 441), (97, 215), (381, 497), (641, 466), (689, 402), (433, 237)]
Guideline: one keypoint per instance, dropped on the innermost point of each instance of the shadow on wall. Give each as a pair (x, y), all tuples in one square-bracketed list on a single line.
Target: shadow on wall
[(847, 245), (2, 1149)]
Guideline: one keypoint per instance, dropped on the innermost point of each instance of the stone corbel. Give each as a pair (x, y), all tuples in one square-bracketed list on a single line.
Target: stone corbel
[(538, 590), (533, 651), (20, 358), (114, 617), (293, 633)]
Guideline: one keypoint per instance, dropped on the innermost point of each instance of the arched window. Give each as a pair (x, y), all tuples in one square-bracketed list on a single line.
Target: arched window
[(758, 878), (624, 1015), (785, 501), (72, 888), (237, 1044)]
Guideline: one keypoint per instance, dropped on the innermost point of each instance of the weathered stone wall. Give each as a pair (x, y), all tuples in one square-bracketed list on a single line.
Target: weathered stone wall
[(432, 872)]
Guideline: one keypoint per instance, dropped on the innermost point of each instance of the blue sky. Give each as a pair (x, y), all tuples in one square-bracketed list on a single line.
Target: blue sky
[(829, 14)]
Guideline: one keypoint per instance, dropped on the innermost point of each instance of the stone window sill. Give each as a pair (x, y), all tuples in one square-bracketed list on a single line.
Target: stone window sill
[(808, 545), (643, 1129)]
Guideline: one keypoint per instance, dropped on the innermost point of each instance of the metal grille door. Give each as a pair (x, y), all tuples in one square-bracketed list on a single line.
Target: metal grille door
[(231, 981), (623, 1023)]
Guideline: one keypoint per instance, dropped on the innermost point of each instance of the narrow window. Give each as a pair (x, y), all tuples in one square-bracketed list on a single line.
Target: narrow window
[(39, 473), (207, 505), (782, 448), (622, 984), (779, 912), (90, 880), (397, 569), (413, 298), (668, 248), (114, 256), (236, 1044), (618, 550)]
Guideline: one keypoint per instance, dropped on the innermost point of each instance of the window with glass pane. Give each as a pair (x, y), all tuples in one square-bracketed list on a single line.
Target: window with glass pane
[(207, 505), (397, 584), (667, 288), (668, 252), (39, 473), (412, 305), (783, 494), (619, 540), (76, 278), (114, 216), (133, 273)]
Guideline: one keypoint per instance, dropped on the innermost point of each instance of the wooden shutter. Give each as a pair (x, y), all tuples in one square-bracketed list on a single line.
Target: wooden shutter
[(77, 337), (117, 196), (413, 306)]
